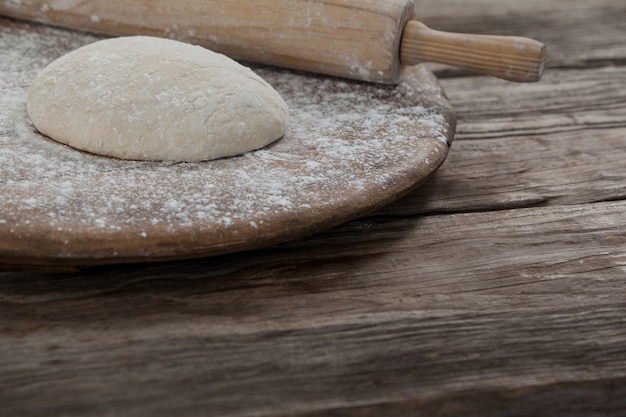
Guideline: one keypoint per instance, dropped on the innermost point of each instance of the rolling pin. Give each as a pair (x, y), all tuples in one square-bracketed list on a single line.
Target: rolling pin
[(369, 40)]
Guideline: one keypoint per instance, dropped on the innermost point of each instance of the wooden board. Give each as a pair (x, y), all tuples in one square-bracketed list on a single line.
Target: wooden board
[(351, 147)]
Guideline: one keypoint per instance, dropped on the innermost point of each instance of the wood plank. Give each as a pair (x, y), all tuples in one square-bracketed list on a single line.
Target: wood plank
[(563, 101), (286, 323), (560, 141), (398, 255), (337, 368), (273, 309)]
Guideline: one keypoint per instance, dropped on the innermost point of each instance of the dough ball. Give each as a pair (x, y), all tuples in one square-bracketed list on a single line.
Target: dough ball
[(147, 98)]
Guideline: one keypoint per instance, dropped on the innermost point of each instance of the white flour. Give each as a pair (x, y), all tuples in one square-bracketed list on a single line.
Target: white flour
[(347, 141)]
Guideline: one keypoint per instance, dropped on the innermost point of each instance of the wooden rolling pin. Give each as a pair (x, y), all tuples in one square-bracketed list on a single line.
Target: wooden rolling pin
[(368, 40)]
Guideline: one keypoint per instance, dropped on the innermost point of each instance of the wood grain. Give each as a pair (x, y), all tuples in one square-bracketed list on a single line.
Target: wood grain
[(508, 57), (561, 142), (496, 289), (269, 322)]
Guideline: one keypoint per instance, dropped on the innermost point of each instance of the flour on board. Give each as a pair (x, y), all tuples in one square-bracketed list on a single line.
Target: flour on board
[(345, 139)]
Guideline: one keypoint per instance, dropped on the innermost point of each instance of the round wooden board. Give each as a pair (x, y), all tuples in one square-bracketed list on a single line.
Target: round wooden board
[(351, 147)]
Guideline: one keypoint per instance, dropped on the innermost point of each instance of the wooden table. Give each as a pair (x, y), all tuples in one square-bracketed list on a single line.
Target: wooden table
[(498, 288)]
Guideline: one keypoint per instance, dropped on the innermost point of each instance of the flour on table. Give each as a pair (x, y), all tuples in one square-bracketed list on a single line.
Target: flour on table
[(147, 98), (346, 143)]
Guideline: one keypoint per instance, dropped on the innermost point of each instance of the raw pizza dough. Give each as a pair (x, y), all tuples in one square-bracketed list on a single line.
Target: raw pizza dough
[(148, 98)]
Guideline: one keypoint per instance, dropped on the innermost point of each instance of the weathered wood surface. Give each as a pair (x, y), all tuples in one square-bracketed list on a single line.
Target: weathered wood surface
[(498, 288)]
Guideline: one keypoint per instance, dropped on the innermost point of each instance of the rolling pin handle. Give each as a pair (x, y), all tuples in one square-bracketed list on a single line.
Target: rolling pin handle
[(507, 57)]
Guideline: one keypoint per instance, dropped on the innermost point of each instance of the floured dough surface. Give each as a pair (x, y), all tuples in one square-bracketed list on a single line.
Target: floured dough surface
[(147, 98)]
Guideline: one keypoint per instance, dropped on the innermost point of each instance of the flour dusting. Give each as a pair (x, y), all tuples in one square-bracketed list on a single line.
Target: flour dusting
[(349, 145)]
